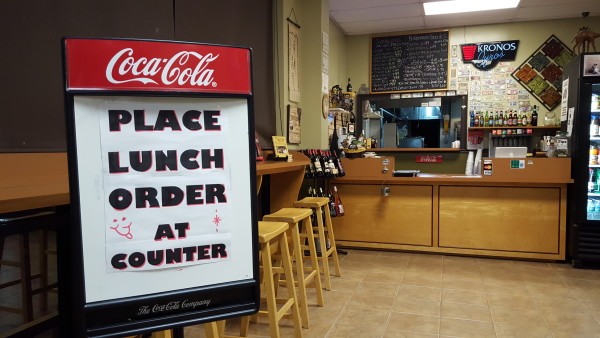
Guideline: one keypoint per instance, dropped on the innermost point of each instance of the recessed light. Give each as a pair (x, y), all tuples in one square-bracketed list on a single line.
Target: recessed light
[(461, 6)]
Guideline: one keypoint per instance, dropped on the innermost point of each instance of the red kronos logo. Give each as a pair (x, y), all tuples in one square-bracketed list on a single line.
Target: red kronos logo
[(137, 65), (468, 52)]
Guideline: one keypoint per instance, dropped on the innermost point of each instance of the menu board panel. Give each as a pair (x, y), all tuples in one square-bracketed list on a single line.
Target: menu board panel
[(409, 62)]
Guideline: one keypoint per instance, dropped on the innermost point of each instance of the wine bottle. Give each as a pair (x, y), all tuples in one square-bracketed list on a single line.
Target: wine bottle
[(334, 170), (317, 163), (324, 164), (534, 116), (331, 204), (339, 208), (338, 163), (349, 87)]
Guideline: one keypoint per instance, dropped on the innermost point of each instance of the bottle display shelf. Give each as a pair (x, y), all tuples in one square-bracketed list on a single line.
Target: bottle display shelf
[(517, 127)]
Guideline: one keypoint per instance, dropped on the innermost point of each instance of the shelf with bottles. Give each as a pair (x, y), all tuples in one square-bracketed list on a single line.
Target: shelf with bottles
[(594, 194), (594, 138), (517, 127)]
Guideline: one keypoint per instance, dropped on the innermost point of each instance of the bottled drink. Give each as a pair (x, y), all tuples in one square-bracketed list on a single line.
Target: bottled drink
[(472, 120), (476, 119), (525, 120), (332, 210), (481, 122), (595, 126), (519, 120), (334, 169), (496, 118), (349, 87), (486, 121), (592, 180), (316, 160), (501, 120), (339, 208), (593, 155), (338, 163), (534, 116)]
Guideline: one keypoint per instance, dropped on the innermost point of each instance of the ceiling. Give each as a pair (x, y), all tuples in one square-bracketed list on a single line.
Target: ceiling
[(380, 16)]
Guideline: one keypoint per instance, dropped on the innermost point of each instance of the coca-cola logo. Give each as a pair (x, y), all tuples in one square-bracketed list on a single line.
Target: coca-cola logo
[(183, 68), (430, 158)]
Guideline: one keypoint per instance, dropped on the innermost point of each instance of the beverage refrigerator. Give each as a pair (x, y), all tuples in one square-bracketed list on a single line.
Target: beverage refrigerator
[(581, 82)]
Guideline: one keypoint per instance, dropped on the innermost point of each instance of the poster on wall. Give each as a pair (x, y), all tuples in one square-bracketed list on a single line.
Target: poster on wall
[(161, 146), (294, 62)]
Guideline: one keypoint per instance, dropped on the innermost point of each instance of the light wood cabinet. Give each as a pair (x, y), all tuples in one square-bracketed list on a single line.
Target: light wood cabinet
[(521, 219), (403, 217)]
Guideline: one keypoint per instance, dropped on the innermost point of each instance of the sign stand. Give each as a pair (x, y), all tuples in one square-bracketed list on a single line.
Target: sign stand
[(162, 184)]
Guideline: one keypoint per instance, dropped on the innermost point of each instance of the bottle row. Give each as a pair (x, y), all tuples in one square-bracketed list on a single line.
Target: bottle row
[(335, 205), (594, 180), (593, 209), (323, 163), (503, 119)]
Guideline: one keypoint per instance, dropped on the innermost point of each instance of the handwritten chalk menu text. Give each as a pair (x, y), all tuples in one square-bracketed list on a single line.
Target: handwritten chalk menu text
[(411, 62), (162, 187)]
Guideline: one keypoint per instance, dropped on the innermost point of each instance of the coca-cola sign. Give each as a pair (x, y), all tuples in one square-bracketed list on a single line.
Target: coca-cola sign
[(135, 65), (429, 159)]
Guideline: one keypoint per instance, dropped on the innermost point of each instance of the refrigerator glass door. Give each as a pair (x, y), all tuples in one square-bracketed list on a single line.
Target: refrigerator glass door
[(593, 200)]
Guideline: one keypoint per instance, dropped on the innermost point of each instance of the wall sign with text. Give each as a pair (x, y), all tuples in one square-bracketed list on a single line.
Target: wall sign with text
[(486, 55), (161, 153)]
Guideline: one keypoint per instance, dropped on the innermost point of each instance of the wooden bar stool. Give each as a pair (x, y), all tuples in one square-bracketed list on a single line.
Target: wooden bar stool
[(272, 237), (305, 276), (319, 205)]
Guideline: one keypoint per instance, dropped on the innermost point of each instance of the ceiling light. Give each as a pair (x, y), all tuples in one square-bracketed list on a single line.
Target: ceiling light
[(461, 6)]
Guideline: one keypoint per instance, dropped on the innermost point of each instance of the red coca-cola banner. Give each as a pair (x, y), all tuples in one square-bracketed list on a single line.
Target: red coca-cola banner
[(135, 65)]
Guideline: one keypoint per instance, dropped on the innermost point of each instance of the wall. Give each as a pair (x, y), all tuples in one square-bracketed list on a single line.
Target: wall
[(531, 35), (32, 116)]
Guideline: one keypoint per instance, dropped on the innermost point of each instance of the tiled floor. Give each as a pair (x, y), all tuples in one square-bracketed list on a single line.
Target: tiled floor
[(393, 294)]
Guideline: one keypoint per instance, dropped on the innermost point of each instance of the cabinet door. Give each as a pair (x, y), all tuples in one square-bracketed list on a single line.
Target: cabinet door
[(403, 217), (500, 218)]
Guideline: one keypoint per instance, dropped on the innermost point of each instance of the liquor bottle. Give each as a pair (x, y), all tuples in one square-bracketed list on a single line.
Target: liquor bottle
[(534, 116), (349, 87), (331, 204), (317, 163), (340, 167), (339, 208), (486, 122)]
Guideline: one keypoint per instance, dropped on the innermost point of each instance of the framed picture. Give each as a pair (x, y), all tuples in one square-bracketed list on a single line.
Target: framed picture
[(294, 124), (259, 155), (591, 65), (280, 149)]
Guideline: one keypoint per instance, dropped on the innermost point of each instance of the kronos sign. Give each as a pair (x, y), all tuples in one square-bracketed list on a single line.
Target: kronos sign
[(485, 55)]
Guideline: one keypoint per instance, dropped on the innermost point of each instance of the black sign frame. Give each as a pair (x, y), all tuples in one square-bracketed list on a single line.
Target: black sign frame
[(391, 56), (122, 317)]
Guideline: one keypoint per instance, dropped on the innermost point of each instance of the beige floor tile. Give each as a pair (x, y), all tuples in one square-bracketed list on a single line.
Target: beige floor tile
[(354, 266), (388, 333), (318, 329), (352, 275), (513, 301), (384, 277), (331, 298), (565, 323), (516, 315), (363, 316), (466, 297), (422, 270), (461, 265), (419, 292), (550, 305), (466, 328), (512, 288), (462, 284), (577, 274), (344, 285), (462, 273), (381, 267), (414, 323), (594, 308), (466, 311), (461, 259), (499, 276), (512, 330), (417, 306), (371, 301), (582, 283), (345, 331), (431, 281), (541, 290), (586, 295), (532, 264), (375, 288), (427, 259), (327, 313)]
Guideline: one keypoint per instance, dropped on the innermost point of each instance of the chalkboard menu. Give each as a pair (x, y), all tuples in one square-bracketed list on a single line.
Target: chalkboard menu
[(410, 62)]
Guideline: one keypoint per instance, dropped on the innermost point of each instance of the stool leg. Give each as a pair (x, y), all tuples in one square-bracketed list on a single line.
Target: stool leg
[(297, 253), (289, 278), (333, 246), (323, 243), (43, 256), (270, 290), (25, 277), (314, 262)]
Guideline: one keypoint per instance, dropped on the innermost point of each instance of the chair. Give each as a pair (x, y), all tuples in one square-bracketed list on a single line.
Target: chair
[(324, 229)]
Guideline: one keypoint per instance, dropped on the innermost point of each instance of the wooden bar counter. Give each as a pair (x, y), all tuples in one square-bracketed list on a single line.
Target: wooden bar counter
[(517, 213)]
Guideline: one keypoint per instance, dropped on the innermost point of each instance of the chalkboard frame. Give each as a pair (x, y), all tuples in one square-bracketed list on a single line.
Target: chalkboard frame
[(446, 65)]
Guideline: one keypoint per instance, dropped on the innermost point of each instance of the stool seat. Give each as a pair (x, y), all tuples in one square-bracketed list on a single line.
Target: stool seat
[(293, 215), (269, 230), (311, 202)]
